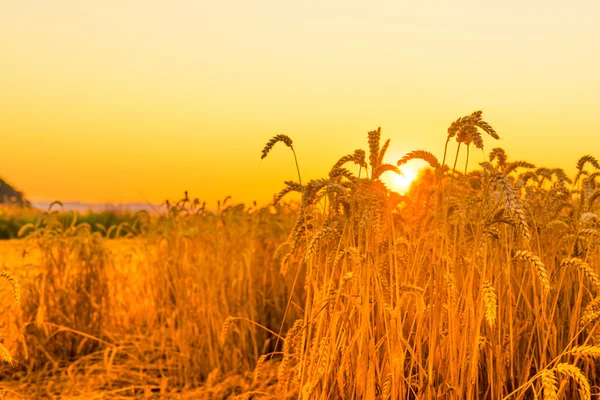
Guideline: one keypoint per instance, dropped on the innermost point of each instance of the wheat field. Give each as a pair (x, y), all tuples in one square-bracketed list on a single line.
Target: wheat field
[(480, 282)]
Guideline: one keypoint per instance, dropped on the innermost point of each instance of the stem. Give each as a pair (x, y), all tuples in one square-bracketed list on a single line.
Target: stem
[(548, 365), (297, 167), (445, 152), (467, 162), (279, 337), (456, 159)]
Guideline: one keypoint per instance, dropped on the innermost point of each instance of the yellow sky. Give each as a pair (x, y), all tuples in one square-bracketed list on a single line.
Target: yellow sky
[(129, 100)]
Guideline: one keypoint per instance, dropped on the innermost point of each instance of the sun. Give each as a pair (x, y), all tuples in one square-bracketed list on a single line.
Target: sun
[(401, 183)]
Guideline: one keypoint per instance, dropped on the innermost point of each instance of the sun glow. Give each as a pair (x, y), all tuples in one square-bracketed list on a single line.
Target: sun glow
[(401, 183)]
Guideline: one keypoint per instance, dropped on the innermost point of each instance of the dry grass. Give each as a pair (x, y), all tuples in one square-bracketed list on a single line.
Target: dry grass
[(479, 284)]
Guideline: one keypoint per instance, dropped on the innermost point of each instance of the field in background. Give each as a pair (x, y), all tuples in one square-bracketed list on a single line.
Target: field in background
[(479, 284), (141, 315), (98, 217)]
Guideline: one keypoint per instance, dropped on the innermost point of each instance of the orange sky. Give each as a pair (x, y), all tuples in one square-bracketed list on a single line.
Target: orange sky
[(121, 101)]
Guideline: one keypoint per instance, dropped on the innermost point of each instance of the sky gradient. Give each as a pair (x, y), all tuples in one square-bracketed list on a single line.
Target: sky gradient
[(128, 101)]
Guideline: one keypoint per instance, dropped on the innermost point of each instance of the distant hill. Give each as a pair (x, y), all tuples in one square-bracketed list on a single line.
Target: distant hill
[(10, 195)]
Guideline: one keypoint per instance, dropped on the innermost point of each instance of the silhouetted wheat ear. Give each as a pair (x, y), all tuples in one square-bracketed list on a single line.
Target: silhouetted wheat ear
[(465, 129), (374, 139), (457, 125), (499, 154), (517, 164), (358, 157), (421, 155), (587, 159), (381, 168), (591, 179), (382, 152), (487, 129), (278, 138), (342, 161), (290, 187), (593, 197)]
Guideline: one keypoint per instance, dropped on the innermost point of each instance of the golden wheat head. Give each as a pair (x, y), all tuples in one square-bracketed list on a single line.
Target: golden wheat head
[(538, 266), (549, 385), (578, 376), (16, 288), (225, 330), (490, 301)]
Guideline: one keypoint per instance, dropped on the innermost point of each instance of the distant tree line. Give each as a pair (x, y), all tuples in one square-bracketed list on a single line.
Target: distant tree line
[(10, 195)]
